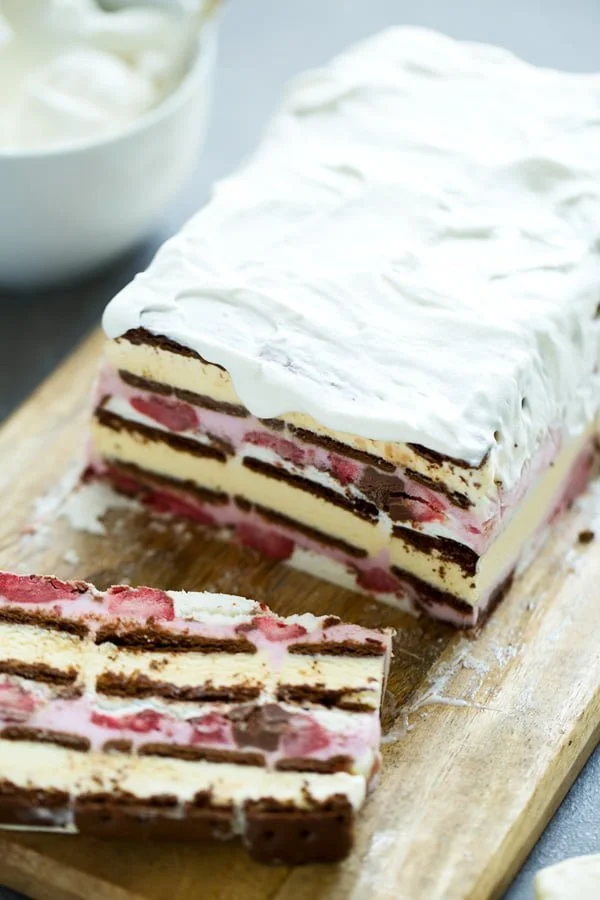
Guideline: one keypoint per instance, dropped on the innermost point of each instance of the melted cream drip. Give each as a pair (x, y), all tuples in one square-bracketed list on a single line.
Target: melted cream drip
[(412, 254)]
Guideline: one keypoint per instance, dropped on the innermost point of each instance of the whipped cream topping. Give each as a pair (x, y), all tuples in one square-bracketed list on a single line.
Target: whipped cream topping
[(412, 255), (72, 71)]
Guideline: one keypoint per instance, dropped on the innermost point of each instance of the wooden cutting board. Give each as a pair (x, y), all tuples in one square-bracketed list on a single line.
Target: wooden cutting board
[(487, 731)]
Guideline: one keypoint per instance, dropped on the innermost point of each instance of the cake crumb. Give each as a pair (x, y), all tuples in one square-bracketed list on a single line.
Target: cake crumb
[(586, 536)]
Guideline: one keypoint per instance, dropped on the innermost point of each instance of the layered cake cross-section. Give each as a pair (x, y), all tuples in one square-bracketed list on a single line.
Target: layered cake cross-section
[(144, 713), (375, 353)]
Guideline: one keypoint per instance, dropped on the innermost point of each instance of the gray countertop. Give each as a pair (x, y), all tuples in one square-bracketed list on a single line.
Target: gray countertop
[(263, 43)]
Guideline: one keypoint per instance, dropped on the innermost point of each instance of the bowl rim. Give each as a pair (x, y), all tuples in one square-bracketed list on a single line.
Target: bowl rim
[(204, 54)]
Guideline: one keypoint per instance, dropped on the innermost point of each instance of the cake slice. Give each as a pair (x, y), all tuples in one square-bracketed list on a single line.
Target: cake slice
[(143, 713), (374, 354)]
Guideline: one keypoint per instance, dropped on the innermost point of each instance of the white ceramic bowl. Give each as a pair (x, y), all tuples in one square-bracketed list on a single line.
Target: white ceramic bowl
[(67, 211)]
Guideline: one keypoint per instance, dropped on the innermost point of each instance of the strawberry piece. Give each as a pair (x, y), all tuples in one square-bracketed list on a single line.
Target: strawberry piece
[(141, 603), (38, 588), (140, 723), (173, 414), (177, 506), (281, 446), (377, 580), (304, 737), (123, 483), (277, 546), (344, 470), (160, 501), (16, 704), (276, 631), (429, 513), (431, 507), (211, 729)]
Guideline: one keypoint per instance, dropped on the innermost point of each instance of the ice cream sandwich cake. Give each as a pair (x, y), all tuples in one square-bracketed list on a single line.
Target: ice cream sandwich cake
[(142, 713), (374, 354)]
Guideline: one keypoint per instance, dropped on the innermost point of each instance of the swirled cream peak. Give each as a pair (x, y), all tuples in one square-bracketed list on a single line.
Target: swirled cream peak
[(411, 255)]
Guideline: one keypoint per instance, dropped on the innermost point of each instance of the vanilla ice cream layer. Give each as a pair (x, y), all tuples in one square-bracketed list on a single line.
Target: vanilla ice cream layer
[(359, 679), (47, 767), (431, 565)]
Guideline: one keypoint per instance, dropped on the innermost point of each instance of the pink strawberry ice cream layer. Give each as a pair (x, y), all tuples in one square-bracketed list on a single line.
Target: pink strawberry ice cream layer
[(314, 735), (126, 606)]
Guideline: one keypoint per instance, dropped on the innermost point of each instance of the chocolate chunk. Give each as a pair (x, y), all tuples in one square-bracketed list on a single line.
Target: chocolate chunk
[(259, 726), (387, 493)]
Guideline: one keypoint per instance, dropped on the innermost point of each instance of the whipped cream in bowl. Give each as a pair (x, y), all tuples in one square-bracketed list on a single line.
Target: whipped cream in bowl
[(103, 107)]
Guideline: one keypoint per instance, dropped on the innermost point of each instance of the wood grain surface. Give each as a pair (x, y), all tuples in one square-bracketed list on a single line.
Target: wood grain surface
[(485, 732)]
